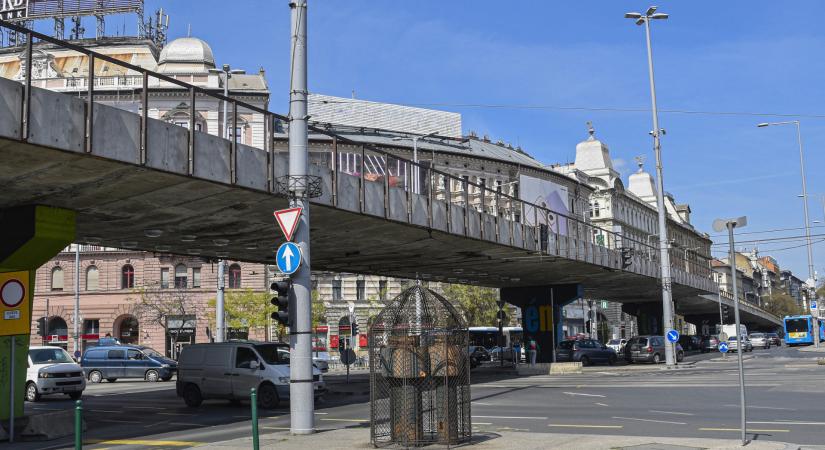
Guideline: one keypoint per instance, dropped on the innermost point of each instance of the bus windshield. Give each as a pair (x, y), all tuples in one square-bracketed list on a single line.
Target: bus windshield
[(796, 325)]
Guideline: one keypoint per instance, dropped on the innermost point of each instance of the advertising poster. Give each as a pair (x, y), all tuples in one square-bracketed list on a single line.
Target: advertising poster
[(548, 195)]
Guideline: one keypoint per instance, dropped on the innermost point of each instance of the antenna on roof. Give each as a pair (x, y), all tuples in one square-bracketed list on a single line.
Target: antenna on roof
[(353, 94)]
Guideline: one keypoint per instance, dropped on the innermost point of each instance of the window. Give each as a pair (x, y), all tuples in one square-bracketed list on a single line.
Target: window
[(92, 278), (180, 276), (196, 277), (336, 290), (382, 289), (238, 134), (244, 357), (164, 277), (360, 288), (117, 354), (127, 277), (234, 276), (57, 279), (134, 355)]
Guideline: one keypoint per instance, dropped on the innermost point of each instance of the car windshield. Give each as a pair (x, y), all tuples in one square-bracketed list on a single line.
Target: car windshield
[(151, 352), (49, 356), (613, 342), (271, 353), (757, 336)]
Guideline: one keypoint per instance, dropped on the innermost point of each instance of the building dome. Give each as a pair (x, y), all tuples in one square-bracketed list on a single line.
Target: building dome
[(187, 50)]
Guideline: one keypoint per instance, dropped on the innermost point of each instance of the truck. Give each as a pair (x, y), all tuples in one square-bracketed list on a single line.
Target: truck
[(730, 330)]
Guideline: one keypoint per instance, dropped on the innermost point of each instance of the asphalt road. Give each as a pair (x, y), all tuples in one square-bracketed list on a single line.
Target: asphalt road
[(786, 391)]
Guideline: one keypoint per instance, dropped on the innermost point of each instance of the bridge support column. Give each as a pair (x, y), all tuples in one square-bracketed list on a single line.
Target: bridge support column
[(648, 316), (541, 317), (31, 235)]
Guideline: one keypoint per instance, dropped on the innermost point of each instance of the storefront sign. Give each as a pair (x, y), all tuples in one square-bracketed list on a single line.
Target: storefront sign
[(14, 9)]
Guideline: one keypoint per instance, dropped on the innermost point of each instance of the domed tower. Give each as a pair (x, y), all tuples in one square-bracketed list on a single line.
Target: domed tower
[(186, 55)]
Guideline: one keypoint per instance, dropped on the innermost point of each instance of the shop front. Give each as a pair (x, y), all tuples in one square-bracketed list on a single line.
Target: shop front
[(180, 331)]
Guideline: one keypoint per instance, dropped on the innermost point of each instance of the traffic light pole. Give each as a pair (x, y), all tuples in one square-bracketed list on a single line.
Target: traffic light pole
[(301, 404)]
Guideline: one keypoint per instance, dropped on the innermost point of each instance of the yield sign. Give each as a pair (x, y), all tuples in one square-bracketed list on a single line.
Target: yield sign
[(288, 220)]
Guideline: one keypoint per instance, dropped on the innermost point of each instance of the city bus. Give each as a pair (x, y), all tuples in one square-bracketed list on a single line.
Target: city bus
[(487, 337), (799, 330)]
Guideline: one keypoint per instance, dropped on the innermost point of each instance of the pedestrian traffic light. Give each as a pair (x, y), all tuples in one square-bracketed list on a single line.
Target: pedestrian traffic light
[(281, 301), (627, 254)]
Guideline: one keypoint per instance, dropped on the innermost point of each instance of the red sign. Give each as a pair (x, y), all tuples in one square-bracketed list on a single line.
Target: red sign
[(288, 220), (362, 340), (333, 341)]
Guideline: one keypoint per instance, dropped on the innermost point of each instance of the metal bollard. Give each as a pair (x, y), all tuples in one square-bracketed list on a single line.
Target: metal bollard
[(253, 402), (78, 425)]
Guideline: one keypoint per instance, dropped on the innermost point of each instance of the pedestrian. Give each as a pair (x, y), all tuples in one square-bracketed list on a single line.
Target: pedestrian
[(532, 350), (516, 353)]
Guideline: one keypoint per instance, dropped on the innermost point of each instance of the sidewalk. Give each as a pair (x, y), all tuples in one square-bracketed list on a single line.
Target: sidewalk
[(348, 438)]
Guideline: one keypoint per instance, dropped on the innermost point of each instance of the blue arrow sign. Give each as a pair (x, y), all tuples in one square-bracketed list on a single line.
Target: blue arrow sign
[(288, 258), (813, 304), (673, 336), (723, 347)]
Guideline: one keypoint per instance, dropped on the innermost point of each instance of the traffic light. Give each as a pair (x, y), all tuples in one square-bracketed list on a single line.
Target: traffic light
[(627, 254), (281, 301), (725, 311), (354, 328)]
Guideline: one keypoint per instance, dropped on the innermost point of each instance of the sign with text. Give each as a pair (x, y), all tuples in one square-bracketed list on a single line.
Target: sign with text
[(14, 9), (15, 313)]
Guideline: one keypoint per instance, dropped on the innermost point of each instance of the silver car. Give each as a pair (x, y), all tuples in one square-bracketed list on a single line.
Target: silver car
[(733, 344), (760, 340)]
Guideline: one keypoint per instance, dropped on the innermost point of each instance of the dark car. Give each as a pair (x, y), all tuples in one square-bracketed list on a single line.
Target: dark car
[(126, 361), (586, 351), (775, 340), (710, 344), (689, 342), (480, 353), (649, 349)]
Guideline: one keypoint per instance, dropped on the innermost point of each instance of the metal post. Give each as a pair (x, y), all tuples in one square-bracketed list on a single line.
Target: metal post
[(27, 101), (302, 408), (253, 403), (11, 390), (740, 348), (415, 166), (191, 167), (144, 117), (90, 104), (811, 273), (220, 315), (76, 319), (667, 321), (553, 326), (78, 425)]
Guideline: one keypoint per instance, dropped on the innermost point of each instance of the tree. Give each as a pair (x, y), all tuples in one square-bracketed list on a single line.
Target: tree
[(478, 304), (244, 309), (173, 309), (781, 304), (319, 310)]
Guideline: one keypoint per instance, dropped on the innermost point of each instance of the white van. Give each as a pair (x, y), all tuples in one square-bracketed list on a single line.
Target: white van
[(52, 371), (229, 370)]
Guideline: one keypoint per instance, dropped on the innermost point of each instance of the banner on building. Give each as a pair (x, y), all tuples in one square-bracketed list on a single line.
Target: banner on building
[(550, 196)]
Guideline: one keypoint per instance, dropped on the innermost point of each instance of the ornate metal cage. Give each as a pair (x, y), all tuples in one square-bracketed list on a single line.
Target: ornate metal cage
[(419, 372)]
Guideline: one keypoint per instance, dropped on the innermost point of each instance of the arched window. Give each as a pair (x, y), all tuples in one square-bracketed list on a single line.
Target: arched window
[(180, 276), (57, 279), (92, 278), (127, 277), (234, 276)]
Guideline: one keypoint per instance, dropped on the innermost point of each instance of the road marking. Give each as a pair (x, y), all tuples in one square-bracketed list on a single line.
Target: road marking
[(146, 442), (763, 407), (174, 414), (609, 373), (481, 423), (105, 411), (583, 395), (277, 428), (649, 420), (348, 420), (602, 404), (482, 403), (511, 417), (321, 413), (583, 426), (119, 421), (782, 422), (749, 429), (672, 412)]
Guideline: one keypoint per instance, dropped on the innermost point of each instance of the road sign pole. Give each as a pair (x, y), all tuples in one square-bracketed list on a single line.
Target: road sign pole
[(11, 391), (740, 347), (301, 406)]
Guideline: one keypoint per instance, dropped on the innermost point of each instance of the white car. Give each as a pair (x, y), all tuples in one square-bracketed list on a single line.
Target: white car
[(617, 345), (52, 371)]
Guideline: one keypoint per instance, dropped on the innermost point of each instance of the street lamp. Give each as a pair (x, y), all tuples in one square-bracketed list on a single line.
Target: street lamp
[(664, 260), (227, 74), (730, 224), (809, 245), (415, 140)]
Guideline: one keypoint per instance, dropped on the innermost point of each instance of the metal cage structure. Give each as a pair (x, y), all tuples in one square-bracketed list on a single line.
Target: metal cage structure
[(419, 372)]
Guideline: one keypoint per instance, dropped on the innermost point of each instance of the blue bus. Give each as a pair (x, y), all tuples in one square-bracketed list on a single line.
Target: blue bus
[(799, 330)]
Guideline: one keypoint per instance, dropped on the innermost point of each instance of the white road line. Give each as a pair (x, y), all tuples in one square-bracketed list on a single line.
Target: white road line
[(609, 373), (511, 417), (602, 404), (482, 404), (142, 407), (782, 422), (118, 421), (482, 423), (763, 407), (583, 395), (649, 420), (672, 412)]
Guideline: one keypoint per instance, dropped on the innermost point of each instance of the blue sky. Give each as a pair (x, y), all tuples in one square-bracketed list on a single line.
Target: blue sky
[(749, 57)]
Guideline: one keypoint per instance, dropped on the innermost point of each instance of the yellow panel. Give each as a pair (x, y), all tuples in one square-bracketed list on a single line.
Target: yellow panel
[(15, 303)]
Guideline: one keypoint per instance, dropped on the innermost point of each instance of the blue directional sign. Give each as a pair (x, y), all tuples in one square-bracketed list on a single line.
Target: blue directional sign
[(723, 347), (288, 258), (673, 336), (813, 304)]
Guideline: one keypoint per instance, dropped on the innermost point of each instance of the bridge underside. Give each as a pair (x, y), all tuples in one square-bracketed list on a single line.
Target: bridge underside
[(117, 202)]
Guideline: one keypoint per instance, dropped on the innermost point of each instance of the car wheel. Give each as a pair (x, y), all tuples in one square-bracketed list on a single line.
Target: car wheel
[(111, 380), (95, 376), (192, 396), (268, 396), (31, 392), (152, 376), (680, 356), (656, 358), (75, 395), (611, 360)]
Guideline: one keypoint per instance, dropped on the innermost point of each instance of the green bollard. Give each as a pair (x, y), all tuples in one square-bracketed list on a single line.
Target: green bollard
[(78, 425), (253, 402)]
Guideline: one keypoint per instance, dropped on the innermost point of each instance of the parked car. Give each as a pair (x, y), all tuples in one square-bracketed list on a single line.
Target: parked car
[(617, 345), (649, 349), (775, 340), (126, 361), (760, 340), (496, 354), (689, 342), (53, 371), (586, 351), (321, 361), (733, 344), (479, 352), (229, 370), (710, 343)]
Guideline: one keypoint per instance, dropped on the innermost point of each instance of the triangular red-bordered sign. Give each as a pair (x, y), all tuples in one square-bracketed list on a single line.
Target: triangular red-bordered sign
[(288, 220)]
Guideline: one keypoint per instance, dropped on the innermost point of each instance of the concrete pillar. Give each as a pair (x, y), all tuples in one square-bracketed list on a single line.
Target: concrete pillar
[(541, 313), (648, 317), (31, 235)]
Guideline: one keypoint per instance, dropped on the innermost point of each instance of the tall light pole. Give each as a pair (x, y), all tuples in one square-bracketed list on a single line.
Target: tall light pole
[(809, 246), (416, 176), (730, 224), (664, 259)]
